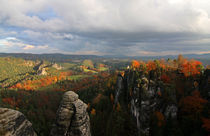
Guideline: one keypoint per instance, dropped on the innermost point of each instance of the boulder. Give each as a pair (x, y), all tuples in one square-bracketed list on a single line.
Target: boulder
[(14, 123)]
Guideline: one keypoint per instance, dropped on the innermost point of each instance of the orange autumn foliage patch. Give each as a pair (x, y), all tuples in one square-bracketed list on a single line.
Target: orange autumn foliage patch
[(185, 66), (122, 73), (135, 64), (190, 68), (163, 66), (192, 104), (165, 78), (35, 84), (151, 65)]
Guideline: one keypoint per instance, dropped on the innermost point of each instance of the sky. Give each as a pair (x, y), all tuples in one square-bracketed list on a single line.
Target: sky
[(105, 27)]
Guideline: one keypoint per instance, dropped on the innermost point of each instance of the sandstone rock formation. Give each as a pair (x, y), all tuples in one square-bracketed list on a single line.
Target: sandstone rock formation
[(42, 72), (14, 123), (55, 65), (140, 91), (72, 118), (119, 87)]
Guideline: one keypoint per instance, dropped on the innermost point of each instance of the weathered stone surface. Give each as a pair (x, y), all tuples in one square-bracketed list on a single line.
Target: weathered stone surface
[(42, 71), (144, 98), (55, 65), (72, 118), (69, 96), (14, 123), (119, 88)]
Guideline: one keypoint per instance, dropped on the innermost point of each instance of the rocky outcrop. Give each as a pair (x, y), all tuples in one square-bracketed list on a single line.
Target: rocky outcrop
[(42, 72), (119, 88), (14, 123), (143, 93), (72, 118), (55, 65)]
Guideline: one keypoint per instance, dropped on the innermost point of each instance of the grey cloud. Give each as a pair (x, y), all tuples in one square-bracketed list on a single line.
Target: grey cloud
[(110, 27)]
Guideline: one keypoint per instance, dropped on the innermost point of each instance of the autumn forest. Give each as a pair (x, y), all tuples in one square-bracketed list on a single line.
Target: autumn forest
[(176, 91)]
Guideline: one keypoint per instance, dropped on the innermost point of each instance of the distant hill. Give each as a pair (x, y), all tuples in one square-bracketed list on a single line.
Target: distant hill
[(49, 57), (204, 58), (199, 55)]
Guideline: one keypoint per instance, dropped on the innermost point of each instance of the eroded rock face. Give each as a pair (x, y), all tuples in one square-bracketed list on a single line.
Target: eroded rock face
[(14, 123), (42, 72), (119, 88), (72, 118), (143, 94)]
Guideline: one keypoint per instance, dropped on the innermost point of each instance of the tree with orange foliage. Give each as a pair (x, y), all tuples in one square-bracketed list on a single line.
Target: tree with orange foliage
[(192, 104), (135, 64), (34, 84), (151, 65), (190, 68), (18, 85)]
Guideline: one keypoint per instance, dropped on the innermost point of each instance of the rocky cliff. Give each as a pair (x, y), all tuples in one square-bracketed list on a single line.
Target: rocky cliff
[(72, 119), (14, 123), (146, 95)]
